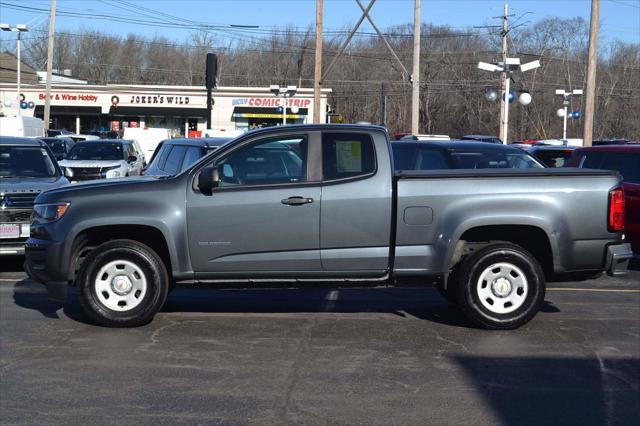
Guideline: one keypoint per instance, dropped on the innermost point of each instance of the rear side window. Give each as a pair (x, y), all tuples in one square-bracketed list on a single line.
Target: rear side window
[(628, 164), (191, 156), (174, 160), (161, 158), (404, 157), (592, 160), (430, 159), (553, 158), (347, 155)]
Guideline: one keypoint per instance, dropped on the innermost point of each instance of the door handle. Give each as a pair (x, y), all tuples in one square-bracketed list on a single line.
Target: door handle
[(296, 201)]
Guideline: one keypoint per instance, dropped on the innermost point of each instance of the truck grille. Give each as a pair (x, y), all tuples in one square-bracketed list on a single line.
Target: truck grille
[(15, 216), (17, 200), (86, 173)]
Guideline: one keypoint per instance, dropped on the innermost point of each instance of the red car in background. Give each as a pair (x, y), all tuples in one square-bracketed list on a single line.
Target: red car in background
[(626, 160)]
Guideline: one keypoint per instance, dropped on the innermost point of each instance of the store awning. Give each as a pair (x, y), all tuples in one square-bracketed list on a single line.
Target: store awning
[(138, 111), (249, 112), (68, 110)]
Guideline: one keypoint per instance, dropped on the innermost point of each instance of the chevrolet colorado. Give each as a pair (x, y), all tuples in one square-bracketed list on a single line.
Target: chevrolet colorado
[(285, 206)]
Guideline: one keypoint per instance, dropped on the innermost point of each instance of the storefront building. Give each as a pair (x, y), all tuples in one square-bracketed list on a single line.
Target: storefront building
[(183, 109)]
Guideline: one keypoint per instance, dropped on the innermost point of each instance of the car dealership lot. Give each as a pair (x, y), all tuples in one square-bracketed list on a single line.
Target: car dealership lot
[(321, 356)]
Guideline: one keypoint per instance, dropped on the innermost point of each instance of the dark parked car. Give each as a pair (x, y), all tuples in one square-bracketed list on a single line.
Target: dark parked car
[(174, 155), (482, 138), (27, 168), (60, 146), (551, 156), (601, 142), (626, 160), (459, 155)]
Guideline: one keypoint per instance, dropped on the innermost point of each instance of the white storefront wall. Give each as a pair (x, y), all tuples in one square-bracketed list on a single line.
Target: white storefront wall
[(161, 106)]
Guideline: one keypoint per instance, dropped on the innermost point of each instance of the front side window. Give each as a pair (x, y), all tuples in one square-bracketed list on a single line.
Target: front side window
[(265, 162), (25, 162), (347, 155)]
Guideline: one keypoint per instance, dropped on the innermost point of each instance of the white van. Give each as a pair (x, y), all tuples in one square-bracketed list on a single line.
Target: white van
[(147, 137), (561, 142), (222, 132), (26, 127)]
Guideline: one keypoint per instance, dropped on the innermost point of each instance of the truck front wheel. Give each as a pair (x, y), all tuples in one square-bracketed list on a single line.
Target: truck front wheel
[(122, 283), (500, 286)]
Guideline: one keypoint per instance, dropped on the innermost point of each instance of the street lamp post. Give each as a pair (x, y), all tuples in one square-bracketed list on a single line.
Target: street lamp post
[(20, 28), (566, 96), (508, 67), (284, 92)]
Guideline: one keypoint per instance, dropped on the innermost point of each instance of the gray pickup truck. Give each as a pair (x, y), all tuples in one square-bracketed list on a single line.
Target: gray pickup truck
[(289, 206)]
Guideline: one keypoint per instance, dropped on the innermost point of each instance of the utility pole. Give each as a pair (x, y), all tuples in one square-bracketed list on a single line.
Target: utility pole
[(505, 80), (47, 94), (415, 75), (590, 100), (317, 74), (383, 104)]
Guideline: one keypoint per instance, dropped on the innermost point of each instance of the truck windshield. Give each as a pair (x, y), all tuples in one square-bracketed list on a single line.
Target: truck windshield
[(96, 151), (26, 162), (488, 159)]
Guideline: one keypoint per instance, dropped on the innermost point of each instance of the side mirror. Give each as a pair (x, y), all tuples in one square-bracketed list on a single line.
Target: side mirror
[(132, 159), (59, 157), (208, 179)]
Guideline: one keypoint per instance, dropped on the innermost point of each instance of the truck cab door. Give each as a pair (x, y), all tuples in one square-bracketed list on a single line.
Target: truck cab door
[(355, 219), (263, 220)]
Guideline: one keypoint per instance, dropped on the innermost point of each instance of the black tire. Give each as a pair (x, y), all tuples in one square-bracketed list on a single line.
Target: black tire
[(513, 258), (153, 272)]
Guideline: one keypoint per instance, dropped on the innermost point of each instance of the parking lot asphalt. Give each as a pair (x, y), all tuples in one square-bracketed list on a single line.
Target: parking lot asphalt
[(399, 356)]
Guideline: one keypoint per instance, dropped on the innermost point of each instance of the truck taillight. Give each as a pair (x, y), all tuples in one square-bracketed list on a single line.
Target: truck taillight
[(616, 210)]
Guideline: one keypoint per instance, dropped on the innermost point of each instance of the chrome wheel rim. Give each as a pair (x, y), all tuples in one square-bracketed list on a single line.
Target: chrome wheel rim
[(502, 288), (120, 285)]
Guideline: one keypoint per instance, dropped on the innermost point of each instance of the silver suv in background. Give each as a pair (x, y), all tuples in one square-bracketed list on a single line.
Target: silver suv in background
[(103, 159)]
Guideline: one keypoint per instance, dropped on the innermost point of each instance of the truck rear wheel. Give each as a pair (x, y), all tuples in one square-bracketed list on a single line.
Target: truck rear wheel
[(500, 286), (122, 283)]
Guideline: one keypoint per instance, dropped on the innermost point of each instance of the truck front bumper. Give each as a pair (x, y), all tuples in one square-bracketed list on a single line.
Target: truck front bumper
[(618, 257), (42, 264)]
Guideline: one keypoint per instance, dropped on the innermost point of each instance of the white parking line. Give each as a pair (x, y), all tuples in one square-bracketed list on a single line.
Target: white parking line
[(602, 290)]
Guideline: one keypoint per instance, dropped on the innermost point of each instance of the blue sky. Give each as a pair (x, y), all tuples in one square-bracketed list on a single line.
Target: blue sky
[(620, 19)]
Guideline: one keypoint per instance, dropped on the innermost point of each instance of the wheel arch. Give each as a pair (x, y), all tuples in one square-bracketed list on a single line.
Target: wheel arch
[(534, 237), (89, 237)]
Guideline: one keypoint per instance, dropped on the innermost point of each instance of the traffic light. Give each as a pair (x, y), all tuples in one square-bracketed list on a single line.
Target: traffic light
[(211, 70)]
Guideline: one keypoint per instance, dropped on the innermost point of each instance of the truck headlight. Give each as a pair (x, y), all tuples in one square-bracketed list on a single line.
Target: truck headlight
[(49, 212), (111, 172)]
